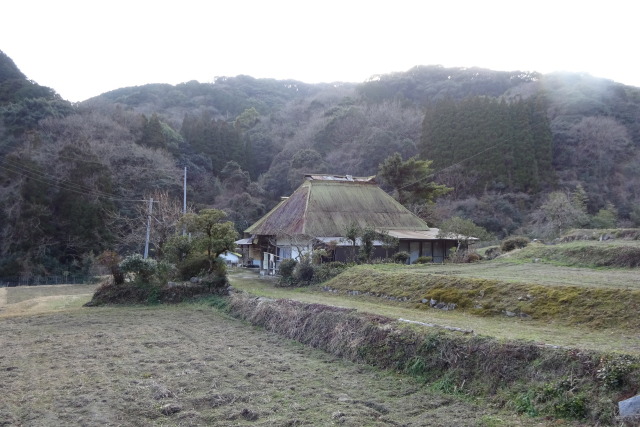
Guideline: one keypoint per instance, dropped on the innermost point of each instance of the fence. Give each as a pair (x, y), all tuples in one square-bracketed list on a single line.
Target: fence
[(70, 279)]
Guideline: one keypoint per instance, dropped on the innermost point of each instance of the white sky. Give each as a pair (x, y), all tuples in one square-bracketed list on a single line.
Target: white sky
[(85, 48)]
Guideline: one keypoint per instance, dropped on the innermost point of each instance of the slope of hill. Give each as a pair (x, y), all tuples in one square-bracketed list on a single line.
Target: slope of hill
[(72, 177), (23, 103)]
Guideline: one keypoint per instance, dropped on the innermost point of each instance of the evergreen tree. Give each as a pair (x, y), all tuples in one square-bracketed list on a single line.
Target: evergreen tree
[(498, 141), (410, 180)]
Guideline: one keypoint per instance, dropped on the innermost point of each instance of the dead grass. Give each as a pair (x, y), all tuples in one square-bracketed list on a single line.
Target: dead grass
[(524, 376), (620, 340), (23, 300), (23, 293), (189, 365)]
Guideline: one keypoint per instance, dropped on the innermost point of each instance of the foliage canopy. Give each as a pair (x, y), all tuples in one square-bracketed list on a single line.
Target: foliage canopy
[(411, 179)]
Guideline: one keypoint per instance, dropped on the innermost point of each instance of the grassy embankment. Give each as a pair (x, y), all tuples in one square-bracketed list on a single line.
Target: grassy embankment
[(574, 283), (537, 295), (519, 376), (550, 294)]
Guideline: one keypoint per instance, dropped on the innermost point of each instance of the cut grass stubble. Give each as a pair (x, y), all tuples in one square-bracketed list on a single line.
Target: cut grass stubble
[(187, 364)]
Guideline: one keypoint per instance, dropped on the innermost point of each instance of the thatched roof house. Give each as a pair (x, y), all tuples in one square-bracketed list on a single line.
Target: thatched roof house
[(323, 207)]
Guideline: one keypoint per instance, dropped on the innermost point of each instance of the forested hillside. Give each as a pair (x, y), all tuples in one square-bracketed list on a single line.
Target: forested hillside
[(524, 153)]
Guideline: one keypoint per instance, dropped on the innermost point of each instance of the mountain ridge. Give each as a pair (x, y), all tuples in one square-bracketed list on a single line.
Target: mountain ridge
[(246, 142)]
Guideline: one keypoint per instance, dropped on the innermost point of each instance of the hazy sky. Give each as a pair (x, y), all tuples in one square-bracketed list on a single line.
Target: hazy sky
[(84, 48)]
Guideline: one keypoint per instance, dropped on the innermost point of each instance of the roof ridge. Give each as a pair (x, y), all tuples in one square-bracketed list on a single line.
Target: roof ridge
[(339, 178), (306, 206)]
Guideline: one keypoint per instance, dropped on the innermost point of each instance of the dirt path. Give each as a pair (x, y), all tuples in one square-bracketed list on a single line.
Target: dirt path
[(189, 365), (3, 297)]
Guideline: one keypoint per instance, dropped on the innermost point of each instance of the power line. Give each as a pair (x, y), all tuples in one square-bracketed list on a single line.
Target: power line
[(449, 167), (75, 188), (85, 193), (102, 164), (64, 183)]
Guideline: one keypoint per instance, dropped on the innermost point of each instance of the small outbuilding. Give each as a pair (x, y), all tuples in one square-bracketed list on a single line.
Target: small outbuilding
[(231, 258), (318, 213)]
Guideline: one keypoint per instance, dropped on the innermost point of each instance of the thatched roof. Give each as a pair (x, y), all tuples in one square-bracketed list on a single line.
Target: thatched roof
[(326, 205)]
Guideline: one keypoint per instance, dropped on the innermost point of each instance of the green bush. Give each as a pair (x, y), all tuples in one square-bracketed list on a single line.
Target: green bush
[(613, 370), (144, 269), (303, 272), (329, 270), (287, 266), (515, 242), (194, 266), (401, 257), (165, 271), (215, 280), (423, 260)]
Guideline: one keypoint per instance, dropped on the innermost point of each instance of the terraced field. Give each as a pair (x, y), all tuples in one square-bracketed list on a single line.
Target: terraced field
[(191, 365), (618, 338)]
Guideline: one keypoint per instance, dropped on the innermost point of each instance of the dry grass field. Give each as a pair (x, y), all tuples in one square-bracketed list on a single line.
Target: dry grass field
[(541, 273), (551, 333), (42, 299), (63, 364)]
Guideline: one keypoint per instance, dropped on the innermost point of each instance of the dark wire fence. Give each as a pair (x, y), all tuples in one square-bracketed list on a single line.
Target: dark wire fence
[(71, 279)]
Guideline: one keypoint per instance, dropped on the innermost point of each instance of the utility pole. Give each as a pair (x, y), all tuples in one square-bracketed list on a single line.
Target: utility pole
[(146, 245), (184, 203)]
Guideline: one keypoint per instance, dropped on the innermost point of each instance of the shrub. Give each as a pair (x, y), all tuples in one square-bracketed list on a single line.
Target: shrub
[(456, 256), (472, 257), (303, 272), (318, 255), (214, 281), (118, 277), (614, 369), (287, 267), (165, 271), (150, 285), (127, 293), (193, 266), (329, 270), (144, 269), (463, 256), (423, 260), (492, 252), (515, 242), (401, 257)]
